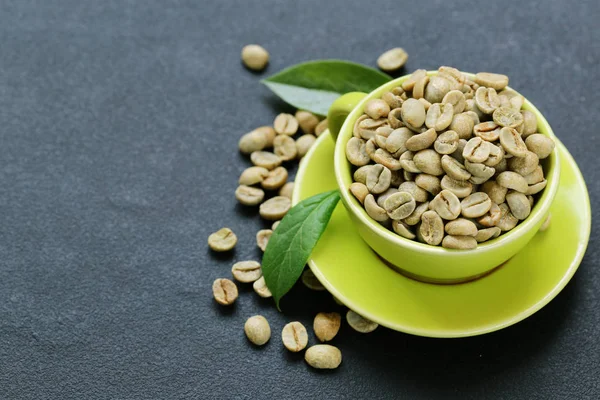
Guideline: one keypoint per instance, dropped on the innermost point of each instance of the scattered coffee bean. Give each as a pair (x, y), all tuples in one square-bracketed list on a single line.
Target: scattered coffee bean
[(262, 238), (327, 325), (307, 121), (287, 190), (265, 159), (255, 57), (252, 141), (360, 323), (246, 271), (222, 240), (275, 178), (321, 127), (253, 175), (285, 124), (249, 196), (323, 356), (275, 225), (310, 281), (294, 337), (224, 291), (275, 208), (257, 330), (260, 287), (285, 147), (392, 60), (304, 143)]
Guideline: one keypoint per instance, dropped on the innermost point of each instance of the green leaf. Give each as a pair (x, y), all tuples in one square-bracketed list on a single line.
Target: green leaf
[(314, 85), (294, 239)]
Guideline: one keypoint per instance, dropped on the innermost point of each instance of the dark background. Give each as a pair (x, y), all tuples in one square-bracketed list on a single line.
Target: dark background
[(119, 123)]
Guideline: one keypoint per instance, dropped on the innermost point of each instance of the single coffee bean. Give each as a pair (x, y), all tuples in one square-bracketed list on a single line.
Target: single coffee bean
[(253, 175), (454, 169), (419, 90), (409, 83), (371, 147), (378, 179), (356, 152), (246, 271), (327, 325), (461, 227), (413, 113), (360, 175), (262, 238), (488, 131), (490, 218), (407, 162), (431, 230), (396, 141), (275, 208), (275, 225), (508, 117), (546, 223), (429, 161), (459, 188), (453, 74), (420, 195), (429, 182), (359, 191), (321, 127), (287, 190), (307, 121), (422, 140), (285, 147), (260, 287), (512, 180), (323, 356), (403, 230), (265, 159), (224, 291), (381, 140), (491, 80), (304, 143), (360, 323), (222, 240), (457, 99), (399, 205), (446, 205), (294, 336), (480, 171), (462, 124), (257, 330), (524, 165), (530, 199), (518, 204), (495, 192), (536, 188), (446, 142), (377, 108), (356, 128), (255, 57), (415, 217), (529, 123), (392, 100), (367, 128), (439, 116), (512, 142), (476, 150), (496, 155), (392, 60), (515, 99), (487, 99), (471, 105), (395, 118), (507, 220), (459, 242), (476, 180), (539, 144), (383, 196), (373, 209), (249, 196), (384, 158), (437, 88), (536, 176), (487, 234), (475, 205), (310, 281), (285, 124), (275, 178), (252, 141)]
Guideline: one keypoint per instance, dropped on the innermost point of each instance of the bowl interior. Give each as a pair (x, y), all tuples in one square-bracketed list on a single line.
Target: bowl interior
[(343, 171)]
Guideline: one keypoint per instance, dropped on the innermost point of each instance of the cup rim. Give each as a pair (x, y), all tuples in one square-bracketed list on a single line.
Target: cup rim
[(342, 167)]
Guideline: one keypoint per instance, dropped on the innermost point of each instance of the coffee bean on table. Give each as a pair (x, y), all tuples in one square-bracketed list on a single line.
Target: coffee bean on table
[(262, 238), (310, 281), (275, 208), (287, 190), (323, 356), (294, 337), (275, 178), (252, 141), (265, 159), (260, 287), (255, 57), (285, 124), (321, 127), (360, 323), (304, 143), (253, 175), (275, 225), (392, 60), (326, 325), (222, 240), (249, 196), (257, 330), (307, 121), (246, 271), (285, 147), (224, 291)]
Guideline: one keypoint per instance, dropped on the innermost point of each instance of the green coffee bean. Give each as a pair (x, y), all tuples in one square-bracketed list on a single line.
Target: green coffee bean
[(310, 281), (403, 230), (495, 192), (265, 159), (377, 108), (512, 180), (378, 179), (529, 123), (249, 196), (512, 142), (429, 182), (294, 336), (415, 191), (496, 155), (487, 100), (260, 287), (321, 127), (356, 152), (392, 60), (323, 356), (307, 121), (395, 118), (392, 100), (475, 205), (439, 116), (262, 238), (524, 165), (275, 208), (275, 178), (224, 291), (437, 88), (384, 158), (488, 131), (419, 90), (446, 142), (373, 209), (304, 143), (421, 141), (409, 83), (462, 124), (487, 234), (407, 162), (479, 170), (285, 147), (459, 188), (222, 240), (536, 188), (252, 141), (507, 220), (461, 227), (257, 330), (539, 144), (246, 271), (492, 217), (431, 230), (399, 205), (253, 175), (457, 155), (491, 80), (287, 190), (360, 175), (457, 99), (396, 141), (415, 217), (508, 117), (359, 191), (536, 176), (255, 57), (518, 204), (360, 323), (327, 325), (413, 113), (285, 124), (383, 196), (368, 127), (454, 169), (459, 242), (446, 205), (429, 161)]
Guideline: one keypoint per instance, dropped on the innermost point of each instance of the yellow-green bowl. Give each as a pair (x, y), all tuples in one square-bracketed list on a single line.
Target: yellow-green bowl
[(423, 261)]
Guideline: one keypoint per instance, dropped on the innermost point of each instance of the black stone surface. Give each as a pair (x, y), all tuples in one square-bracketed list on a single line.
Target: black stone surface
[(119, 123)]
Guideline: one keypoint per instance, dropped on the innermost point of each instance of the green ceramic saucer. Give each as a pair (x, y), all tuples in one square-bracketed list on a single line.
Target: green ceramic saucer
[(354, 274)]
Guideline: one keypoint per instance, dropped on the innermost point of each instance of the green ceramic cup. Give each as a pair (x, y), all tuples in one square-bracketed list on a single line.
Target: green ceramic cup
[(421, 261)]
